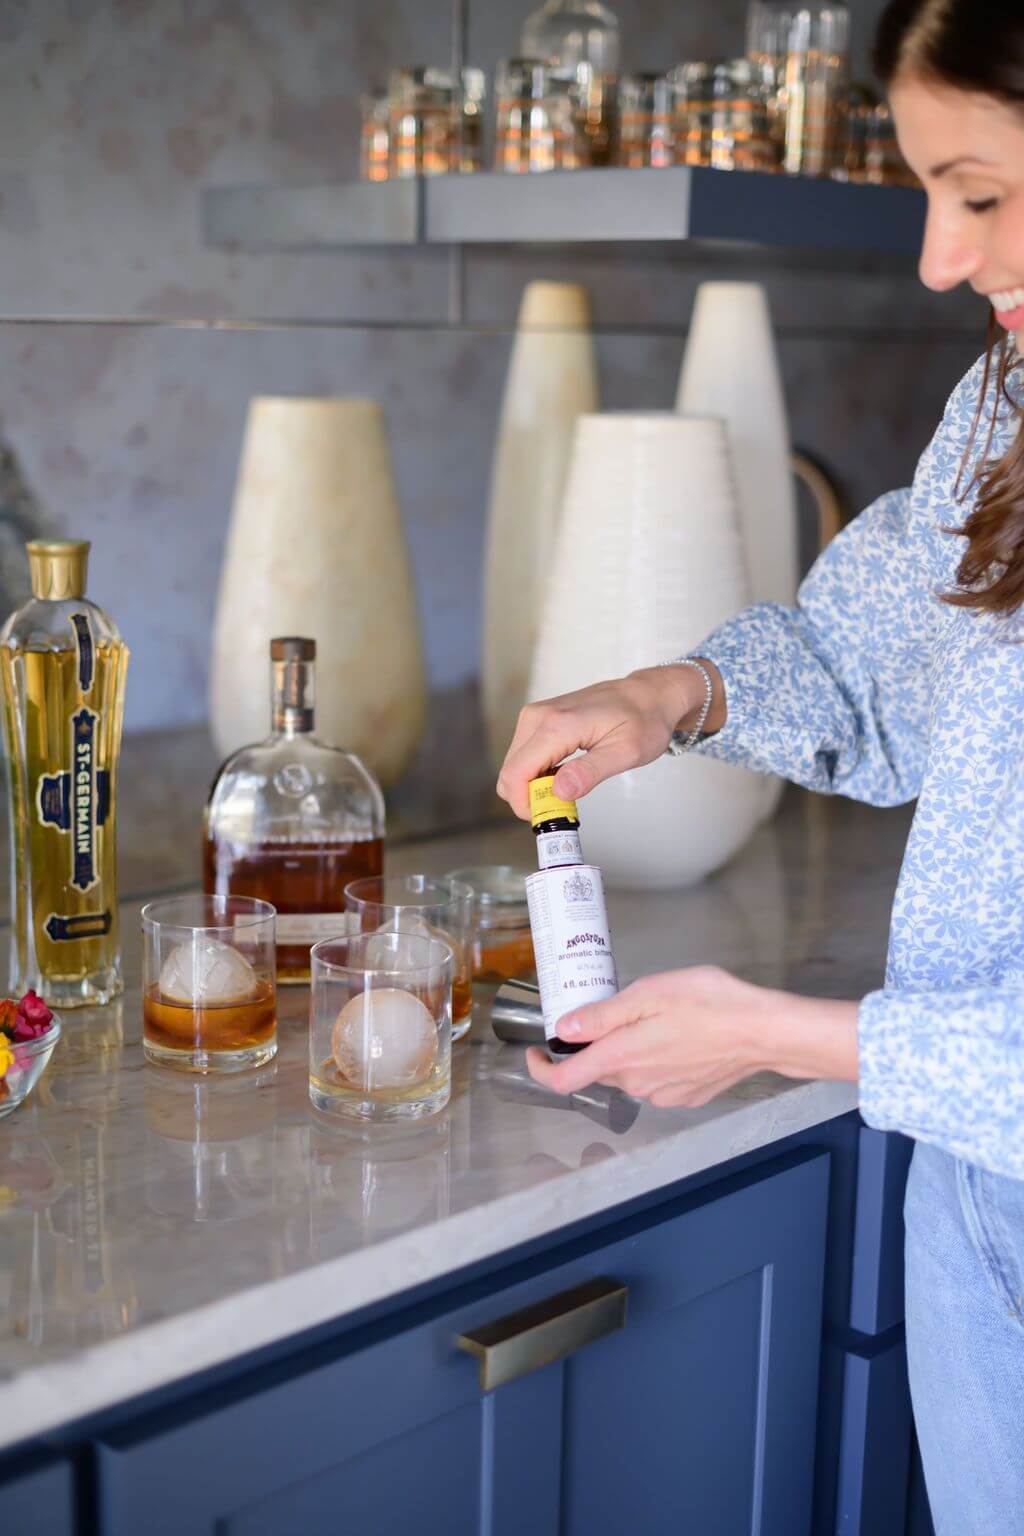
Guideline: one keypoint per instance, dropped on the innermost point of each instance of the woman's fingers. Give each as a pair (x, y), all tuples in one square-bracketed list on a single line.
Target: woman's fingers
[(544, 737), (578, 1071), (617, 754), (597, 1019)]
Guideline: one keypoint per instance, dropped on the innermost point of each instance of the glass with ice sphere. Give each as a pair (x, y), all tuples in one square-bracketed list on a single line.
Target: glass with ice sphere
[(209, 999), (380, 1025), (425, 907)]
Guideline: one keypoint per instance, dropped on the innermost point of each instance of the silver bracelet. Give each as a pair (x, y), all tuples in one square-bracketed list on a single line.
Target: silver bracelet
[(684, 741)]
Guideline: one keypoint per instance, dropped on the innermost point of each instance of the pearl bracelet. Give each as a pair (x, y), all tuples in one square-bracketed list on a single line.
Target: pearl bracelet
[(684, 741)]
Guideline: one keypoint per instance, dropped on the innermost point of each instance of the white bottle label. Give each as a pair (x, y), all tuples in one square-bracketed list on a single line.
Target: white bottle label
[(310, 927), (555, 848), (571, 941)]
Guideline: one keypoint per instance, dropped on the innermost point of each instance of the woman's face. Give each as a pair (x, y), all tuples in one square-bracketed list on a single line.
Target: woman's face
[(968, 150)]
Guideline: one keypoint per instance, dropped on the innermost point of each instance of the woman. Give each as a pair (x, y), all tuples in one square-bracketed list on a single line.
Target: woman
[(899, 674)]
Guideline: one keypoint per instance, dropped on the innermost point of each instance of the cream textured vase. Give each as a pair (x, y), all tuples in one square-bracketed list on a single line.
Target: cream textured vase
[(649, 558), (316, 548), (552, 379), (731, 369)]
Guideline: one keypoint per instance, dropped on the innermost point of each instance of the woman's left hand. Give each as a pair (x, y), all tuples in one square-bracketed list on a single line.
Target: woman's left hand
[(681, 1038)]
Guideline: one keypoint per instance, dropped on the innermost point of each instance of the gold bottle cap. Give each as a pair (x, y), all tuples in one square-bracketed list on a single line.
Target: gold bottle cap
[(545, 804), (292, 648), (58, 568)]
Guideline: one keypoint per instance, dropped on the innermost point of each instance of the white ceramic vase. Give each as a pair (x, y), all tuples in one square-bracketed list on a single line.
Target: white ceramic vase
[(649, 558), (731, 370), (316, 547), (552, 380)]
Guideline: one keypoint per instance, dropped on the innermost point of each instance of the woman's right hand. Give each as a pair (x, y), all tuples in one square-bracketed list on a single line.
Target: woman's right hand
[(619, 725)]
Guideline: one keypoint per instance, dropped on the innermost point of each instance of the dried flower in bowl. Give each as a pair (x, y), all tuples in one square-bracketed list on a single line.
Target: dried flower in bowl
[(29, 1031), (26, 1019)]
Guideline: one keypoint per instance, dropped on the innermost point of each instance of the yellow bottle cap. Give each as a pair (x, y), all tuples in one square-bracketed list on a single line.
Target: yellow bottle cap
[(545, 804), (58, 568)]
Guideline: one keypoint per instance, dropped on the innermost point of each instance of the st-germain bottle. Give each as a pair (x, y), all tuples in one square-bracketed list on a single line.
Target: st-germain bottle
[(62, 669), (291, 820)]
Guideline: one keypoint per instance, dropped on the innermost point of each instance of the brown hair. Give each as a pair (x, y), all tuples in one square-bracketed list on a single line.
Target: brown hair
[(975, 45)]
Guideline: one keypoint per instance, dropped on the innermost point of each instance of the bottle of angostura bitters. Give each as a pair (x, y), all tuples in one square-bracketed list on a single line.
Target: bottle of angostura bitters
[(571, 937)]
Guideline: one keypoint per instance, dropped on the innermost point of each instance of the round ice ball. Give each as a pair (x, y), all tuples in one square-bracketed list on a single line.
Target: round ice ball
[(387, 950), (204, 972), (384, 1038)]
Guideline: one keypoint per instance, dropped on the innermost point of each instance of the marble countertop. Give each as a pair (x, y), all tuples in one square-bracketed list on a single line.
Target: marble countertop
[(153, 1224)]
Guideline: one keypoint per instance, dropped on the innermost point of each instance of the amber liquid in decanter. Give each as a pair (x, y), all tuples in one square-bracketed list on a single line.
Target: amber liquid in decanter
[(304, 881)]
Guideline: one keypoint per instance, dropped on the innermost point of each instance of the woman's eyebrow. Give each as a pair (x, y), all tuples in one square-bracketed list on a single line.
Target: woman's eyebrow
[(949, 165)]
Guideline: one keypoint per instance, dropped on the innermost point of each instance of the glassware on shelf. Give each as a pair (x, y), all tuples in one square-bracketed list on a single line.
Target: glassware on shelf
[(375, 140), (291, 820), (62, 676), (535, 122), (646, 121), (722, 117), (806, 47), (872, 151), (470, 122), (424, 906), (434, 128), (579, 40), (767, 42), (500, 941), (380, 1026), (209, 996)]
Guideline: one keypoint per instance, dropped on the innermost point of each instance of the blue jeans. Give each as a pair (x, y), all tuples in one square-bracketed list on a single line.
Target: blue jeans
[(965, 1341)]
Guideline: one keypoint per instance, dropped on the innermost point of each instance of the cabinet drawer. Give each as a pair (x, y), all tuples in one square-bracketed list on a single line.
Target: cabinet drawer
[(876, 1286), (701, 1409), (38, 1502), (875, 1445)]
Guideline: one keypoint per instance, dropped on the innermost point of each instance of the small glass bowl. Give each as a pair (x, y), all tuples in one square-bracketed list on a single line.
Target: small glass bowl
[(31, 1059), (499, 940)]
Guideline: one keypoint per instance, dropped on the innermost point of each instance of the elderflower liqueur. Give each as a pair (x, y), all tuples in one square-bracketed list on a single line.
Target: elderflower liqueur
[(292, 820), (62, 668), (568, 919)]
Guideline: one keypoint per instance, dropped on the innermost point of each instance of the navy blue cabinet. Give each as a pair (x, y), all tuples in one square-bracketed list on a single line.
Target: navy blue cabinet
[(38, 1501), (876, 1288), (699, 1415)]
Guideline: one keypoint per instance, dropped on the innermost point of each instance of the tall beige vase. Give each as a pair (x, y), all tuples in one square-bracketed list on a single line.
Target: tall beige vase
[(649, 559), (552, 380), (731, 369), (316, 548)]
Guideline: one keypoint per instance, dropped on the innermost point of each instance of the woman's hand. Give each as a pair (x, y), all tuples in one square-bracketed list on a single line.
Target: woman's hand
[(619, 725), (684, 1037)]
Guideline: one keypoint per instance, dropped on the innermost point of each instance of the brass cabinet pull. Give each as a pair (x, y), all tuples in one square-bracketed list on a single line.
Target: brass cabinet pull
[(524, 1341)]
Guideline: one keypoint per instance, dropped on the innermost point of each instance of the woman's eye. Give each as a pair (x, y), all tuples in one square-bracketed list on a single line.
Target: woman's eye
[(984, 206)]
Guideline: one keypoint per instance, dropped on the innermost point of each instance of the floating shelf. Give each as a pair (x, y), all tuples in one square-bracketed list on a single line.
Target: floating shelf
[(570, 207)]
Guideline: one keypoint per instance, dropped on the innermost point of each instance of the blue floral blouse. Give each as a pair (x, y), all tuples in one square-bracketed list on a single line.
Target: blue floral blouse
[(870, 687)]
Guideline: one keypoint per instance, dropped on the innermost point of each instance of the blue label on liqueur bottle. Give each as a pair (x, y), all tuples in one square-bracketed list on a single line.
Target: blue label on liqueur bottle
[(83, 799), (86, 652), (82, 925)]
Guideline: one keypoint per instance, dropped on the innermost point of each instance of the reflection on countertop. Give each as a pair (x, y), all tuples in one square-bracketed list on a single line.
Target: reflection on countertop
[(146, 1212)]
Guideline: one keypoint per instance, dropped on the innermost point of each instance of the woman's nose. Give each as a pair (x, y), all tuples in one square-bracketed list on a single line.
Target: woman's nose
[(949, 255)]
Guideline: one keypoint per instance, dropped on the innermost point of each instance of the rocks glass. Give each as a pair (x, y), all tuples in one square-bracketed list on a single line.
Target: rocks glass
[(380, 1026), (500, 940), (209, 985), (429, 907)]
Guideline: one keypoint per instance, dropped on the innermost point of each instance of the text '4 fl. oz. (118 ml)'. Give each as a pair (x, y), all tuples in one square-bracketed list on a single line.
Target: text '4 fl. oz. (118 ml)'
[(62, 667), (571, 938)]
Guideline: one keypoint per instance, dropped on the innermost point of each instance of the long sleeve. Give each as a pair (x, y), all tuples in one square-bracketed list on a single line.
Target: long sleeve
[(948, 1067), (833, 693)]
